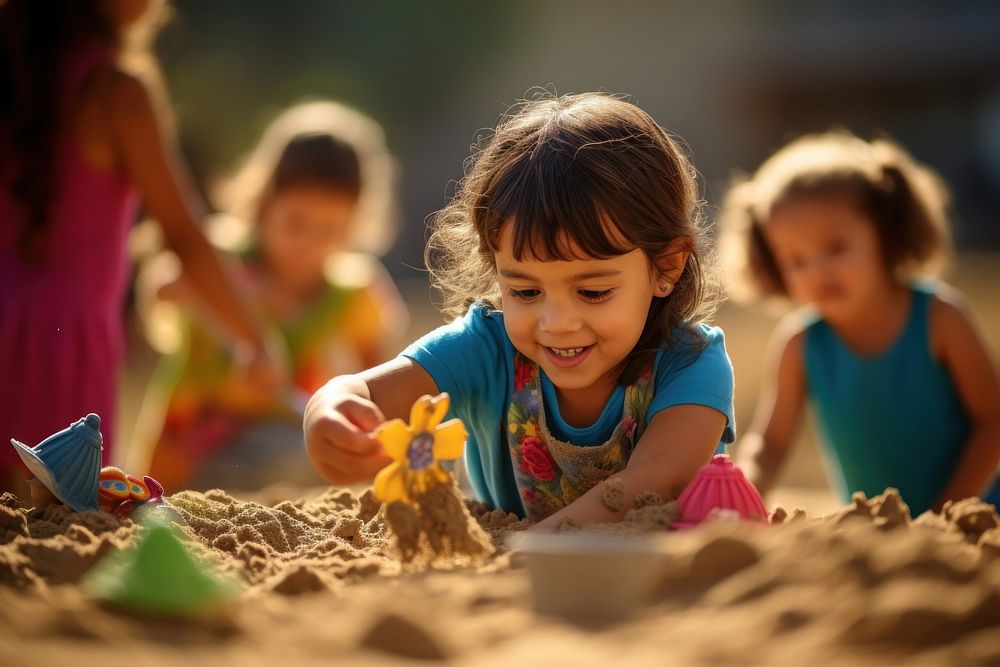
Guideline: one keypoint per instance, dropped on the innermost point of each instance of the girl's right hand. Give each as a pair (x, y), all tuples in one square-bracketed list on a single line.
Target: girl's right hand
[(338, 426)]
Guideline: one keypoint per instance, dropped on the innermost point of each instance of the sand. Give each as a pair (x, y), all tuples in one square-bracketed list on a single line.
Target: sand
[(436, 528), (325, 584)]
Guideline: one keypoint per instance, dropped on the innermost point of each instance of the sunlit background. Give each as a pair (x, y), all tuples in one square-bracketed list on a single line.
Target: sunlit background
[(734, 79)]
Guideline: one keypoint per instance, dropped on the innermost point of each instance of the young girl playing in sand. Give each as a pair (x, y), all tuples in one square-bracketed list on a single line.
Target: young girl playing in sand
[(904, 391), (573, 255), (317, 192), (83, 139)]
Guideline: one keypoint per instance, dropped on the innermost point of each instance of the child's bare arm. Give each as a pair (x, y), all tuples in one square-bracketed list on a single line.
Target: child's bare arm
[(149, 155), (762, 452), (958, 345), (676, 444), (341, 415)]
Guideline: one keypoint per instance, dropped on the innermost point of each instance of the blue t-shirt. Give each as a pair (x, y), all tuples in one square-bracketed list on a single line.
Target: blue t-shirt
[(473, 360)]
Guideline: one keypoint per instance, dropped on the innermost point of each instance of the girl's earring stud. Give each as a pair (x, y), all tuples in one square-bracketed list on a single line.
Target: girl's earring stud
[(665, 287)]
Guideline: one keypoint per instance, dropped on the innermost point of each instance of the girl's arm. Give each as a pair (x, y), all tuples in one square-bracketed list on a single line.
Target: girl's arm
[(149, 155), (341, 415), (762, 452), (676, 444), (958, 345)]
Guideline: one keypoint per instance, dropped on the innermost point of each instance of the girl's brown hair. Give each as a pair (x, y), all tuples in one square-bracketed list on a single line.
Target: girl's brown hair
[(318, 143), (592, 170), (37, 39), (906, 201)]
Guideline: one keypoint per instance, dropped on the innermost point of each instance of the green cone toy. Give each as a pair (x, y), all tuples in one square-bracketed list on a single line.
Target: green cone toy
[(160, 577)]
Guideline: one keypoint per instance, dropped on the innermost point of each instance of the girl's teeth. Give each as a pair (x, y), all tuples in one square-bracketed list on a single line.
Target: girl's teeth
[(567, 353)]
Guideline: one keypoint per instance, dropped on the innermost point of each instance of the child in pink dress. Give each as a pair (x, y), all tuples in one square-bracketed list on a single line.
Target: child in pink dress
[(82, 141)]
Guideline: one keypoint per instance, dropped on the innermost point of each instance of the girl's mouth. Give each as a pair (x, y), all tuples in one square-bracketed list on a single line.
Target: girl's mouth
[(567, 357)]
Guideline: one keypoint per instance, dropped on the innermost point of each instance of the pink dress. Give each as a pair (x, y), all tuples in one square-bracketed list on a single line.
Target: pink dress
[(61, 327)]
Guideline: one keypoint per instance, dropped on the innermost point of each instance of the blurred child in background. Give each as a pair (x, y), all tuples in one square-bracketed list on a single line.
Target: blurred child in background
[(904, 391), (309, 211), (84, 137)]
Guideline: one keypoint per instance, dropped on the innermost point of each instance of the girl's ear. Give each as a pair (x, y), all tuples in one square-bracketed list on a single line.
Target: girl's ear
[(670, 265)]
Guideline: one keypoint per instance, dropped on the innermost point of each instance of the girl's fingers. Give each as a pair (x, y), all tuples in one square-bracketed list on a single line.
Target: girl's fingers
[(339, 434), (362, 413), (360, 468), (342, 467), (339, 438), (347, 427)]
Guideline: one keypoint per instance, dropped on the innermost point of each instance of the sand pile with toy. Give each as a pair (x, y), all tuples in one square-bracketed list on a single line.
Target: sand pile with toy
[(324, 583)]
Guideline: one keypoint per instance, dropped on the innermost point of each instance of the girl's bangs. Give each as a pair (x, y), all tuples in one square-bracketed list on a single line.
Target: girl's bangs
[(557, 214)]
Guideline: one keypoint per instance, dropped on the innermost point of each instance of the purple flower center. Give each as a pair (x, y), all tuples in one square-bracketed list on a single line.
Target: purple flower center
[(420, 453)]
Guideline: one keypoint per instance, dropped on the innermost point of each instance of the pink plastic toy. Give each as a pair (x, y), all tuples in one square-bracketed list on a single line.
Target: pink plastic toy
[(719, 488), (140, 503)]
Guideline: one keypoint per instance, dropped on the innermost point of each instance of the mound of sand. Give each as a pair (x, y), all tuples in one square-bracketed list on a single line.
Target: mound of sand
[(864, 585)]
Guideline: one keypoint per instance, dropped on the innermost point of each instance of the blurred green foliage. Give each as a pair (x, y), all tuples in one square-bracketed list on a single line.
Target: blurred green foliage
[(231, 66)]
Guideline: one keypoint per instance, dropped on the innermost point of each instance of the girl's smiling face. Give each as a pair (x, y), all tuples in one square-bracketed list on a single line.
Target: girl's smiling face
[(578, 320)]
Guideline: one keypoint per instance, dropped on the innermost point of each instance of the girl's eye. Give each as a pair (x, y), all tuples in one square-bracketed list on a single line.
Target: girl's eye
[(523, 294), (595, 296)]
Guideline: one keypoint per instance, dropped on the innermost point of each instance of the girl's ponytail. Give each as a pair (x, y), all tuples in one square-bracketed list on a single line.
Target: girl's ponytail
[(747, 259), (914, 203)]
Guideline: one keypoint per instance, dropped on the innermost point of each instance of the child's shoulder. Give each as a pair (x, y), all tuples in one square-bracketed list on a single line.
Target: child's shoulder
[(944, 298), (788, 338), (695, 333), (696, 368), (480, 325), (106, 102), (125, 94), (480, 317), (693, 344), (134, 111), (950, 317), (696, 338), (793, 327), (473, 345), (799, 320)]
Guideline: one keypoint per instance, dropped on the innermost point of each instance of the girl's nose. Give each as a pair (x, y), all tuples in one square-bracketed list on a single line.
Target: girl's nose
[(558, 318), (822, 267)]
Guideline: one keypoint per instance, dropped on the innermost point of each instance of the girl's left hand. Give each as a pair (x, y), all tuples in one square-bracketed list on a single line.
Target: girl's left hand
[(693, 432)]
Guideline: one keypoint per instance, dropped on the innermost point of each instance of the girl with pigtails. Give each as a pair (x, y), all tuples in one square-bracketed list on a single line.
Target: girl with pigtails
[(900, 382)]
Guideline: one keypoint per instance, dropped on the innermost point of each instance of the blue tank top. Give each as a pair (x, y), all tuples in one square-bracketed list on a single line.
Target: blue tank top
[(891, 419)]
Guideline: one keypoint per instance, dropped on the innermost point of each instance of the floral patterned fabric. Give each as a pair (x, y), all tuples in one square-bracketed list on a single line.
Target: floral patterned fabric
[(209, 404), (551, 474)]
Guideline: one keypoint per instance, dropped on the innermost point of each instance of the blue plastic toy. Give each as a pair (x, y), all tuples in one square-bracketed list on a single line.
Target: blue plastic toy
[(68, 463)]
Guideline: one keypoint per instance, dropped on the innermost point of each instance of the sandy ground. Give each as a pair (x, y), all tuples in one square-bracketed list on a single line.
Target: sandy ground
[(322, 583)]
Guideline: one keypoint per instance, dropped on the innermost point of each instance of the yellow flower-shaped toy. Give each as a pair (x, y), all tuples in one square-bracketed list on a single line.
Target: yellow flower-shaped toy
[(417, 449)]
